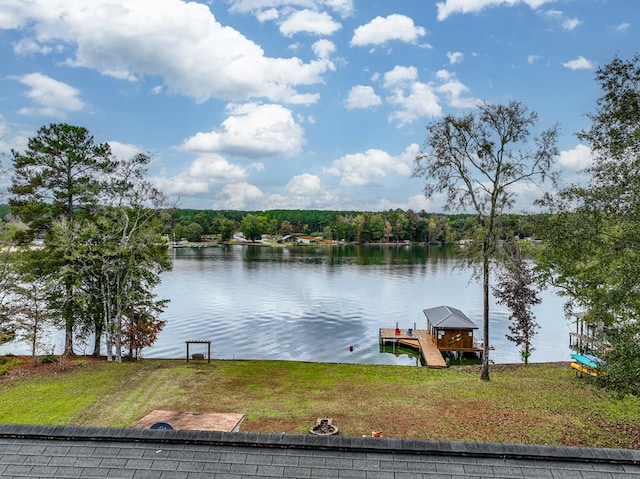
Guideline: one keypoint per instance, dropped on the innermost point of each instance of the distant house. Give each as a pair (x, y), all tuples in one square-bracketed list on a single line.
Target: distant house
[(308, 239), (450, 328)]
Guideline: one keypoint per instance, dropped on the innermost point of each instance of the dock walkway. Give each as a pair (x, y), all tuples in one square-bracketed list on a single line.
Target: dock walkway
[(428, 350)]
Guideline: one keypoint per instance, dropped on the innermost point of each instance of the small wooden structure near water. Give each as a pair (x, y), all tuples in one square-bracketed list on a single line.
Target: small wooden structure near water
[(451, 329)]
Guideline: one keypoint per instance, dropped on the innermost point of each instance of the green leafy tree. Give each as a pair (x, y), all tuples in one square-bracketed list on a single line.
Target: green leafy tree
[(203, 220), (29, 294), (477, 160), (399, 221), (121, 253), (361, 226), (194, 231), (376, 226), (620, 371), (516, 289), (8, 279), (591, 238), (254, 226), (58, 178), (431, 228), (224, 227)]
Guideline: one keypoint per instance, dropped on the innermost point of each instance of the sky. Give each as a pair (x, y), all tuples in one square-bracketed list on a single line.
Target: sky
[(300, 104)]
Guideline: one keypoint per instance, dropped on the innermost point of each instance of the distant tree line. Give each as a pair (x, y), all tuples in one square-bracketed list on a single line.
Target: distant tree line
[(392, 226)]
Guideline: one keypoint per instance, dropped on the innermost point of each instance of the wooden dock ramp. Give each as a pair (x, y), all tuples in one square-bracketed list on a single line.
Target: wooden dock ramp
[(420, 337)]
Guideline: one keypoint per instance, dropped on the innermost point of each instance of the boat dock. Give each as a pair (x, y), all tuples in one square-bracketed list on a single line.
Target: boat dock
[(416, 338)]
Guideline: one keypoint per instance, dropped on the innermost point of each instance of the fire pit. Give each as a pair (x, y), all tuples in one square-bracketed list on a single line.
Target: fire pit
[(324, 427)]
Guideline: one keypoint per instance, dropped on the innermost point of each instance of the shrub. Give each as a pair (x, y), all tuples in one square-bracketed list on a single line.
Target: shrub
[(621, 372), (49, 359), (7, 364)]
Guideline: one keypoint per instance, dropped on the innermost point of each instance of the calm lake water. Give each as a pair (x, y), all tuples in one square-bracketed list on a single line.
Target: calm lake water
[(313, 303)]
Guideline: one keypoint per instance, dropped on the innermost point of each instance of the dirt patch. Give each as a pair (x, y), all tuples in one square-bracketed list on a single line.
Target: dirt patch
[(26, 366)]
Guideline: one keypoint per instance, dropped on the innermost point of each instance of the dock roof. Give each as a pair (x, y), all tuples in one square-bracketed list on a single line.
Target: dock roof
[(446, 317)]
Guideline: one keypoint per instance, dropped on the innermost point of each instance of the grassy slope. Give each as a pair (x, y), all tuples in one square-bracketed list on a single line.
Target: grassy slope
[(541, 404)]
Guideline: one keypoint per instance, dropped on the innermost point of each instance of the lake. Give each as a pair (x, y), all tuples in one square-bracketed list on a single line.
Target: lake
[(324, 304), (313, 303)]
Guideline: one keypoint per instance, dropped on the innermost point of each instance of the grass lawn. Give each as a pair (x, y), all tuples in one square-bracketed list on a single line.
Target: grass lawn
[(538, 404)]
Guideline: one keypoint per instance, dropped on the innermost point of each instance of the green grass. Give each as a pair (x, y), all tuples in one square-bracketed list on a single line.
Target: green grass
[(59, 398), (541, 404)]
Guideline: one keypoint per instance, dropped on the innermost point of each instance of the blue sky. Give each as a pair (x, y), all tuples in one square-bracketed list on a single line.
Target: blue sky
[(305, 104)]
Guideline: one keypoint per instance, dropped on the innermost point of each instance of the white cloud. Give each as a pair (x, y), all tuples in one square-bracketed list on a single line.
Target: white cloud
[(123, 151), (558, 17), (206, 170), (552, 14), (531, 59), (570, 23), (449, 7), (238, 196), (267, 15), (215, 168), (50, 97), (12, 14), (580, 63), (302, 191), (262, 8), (308, 21), (455, 91), (303, 185), (323, 48), (306, 191), (381, 30), (372, 166), (361, 96), (399, 75), (417, 101), (12, 140), (455, 57), (343, 7), (576, 159), (623, 27), (419, 203), (180, 41), (8, 144), (28, 46), (414, 99), (253, 131), (181, 186)]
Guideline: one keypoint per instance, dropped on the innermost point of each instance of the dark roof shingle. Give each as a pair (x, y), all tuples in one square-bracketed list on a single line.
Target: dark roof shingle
[(62, 452)]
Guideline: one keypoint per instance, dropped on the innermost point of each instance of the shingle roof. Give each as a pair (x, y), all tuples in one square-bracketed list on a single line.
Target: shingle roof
[(448, 318), (62, 452)]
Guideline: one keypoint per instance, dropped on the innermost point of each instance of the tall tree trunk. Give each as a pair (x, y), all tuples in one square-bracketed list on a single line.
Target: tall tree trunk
[(97, 339), (484, 375), (68, 318)]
